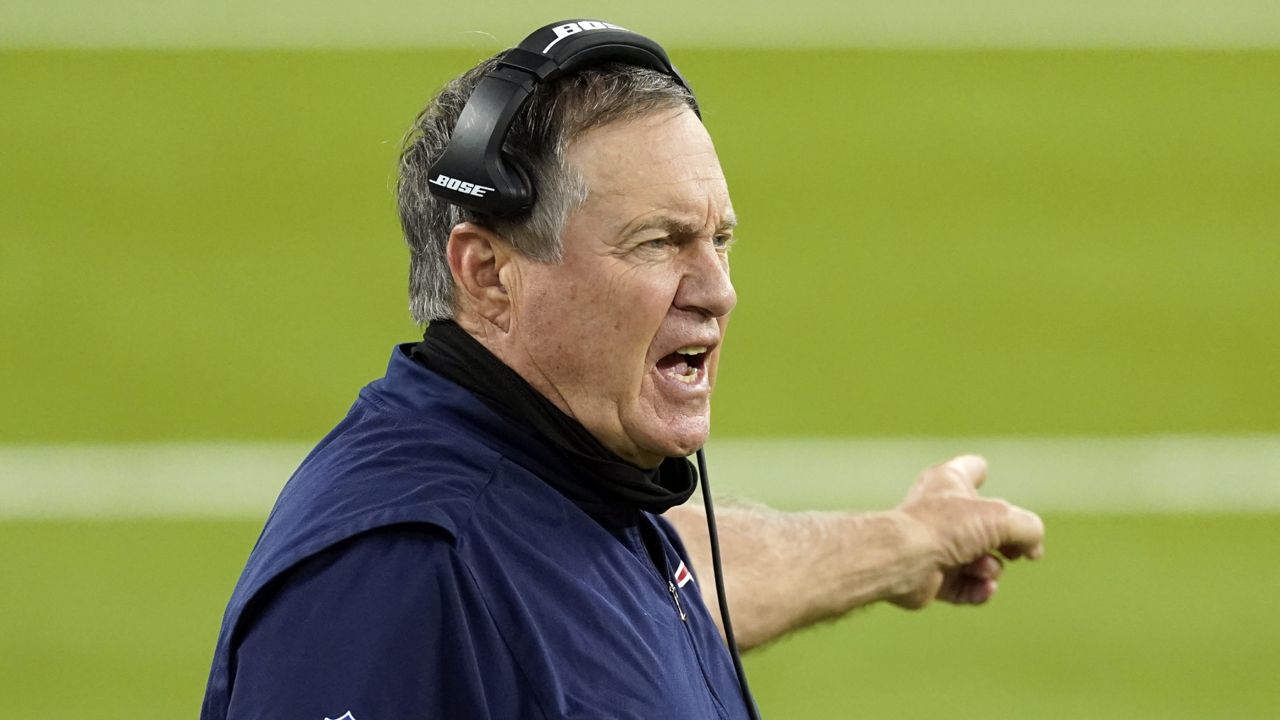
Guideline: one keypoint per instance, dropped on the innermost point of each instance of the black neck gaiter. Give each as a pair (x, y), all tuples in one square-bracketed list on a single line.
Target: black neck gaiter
[(607, 482)]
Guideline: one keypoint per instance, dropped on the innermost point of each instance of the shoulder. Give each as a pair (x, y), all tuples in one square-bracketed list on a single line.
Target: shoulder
[(378, 625), (372, 471), (370, 580)]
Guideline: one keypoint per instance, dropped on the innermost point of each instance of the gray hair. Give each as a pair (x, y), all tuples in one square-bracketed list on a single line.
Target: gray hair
[(540, 134)]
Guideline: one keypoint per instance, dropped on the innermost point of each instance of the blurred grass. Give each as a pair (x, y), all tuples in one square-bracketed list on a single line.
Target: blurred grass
[(114, 619), (1127, 617), (203, 244)]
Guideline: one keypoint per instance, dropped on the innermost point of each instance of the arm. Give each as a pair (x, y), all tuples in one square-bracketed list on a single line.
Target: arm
[(784, 571)]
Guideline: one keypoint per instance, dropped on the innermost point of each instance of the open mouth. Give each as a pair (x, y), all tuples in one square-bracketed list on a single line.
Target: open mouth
[(684, 364)]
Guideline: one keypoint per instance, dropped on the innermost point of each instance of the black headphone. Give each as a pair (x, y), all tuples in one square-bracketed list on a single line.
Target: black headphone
[(472, 171)]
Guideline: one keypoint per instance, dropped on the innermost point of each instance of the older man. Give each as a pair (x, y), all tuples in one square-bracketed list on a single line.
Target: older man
[(483, 535)]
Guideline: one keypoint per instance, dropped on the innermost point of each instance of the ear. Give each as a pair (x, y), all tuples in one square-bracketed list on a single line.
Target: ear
[(476, 258)]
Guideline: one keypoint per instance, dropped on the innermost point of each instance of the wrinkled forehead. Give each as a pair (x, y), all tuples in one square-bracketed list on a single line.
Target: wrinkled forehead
[(663, 161)]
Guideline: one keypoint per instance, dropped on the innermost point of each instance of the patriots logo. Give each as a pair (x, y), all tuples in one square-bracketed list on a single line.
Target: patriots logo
[(682, 577), (346, 716)]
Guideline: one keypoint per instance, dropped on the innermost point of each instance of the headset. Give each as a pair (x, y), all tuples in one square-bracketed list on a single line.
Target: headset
[(474, 173)]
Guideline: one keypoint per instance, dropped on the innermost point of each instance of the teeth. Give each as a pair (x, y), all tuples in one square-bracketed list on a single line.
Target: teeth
[(688, 376), (692, 350), (687, 379)]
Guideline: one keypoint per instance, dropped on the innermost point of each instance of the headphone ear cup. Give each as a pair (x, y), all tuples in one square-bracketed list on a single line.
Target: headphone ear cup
[(522, 193)]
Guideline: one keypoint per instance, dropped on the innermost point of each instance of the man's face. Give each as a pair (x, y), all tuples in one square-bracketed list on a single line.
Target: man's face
[(625, 333)]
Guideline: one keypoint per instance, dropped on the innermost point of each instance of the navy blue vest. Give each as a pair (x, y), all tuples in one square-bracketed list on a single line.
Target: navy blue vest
[(417, 566)]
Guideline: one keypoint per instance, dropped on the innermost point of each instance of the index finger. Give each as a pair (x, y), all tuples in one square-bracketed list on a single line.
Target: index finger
[(1022, 535)]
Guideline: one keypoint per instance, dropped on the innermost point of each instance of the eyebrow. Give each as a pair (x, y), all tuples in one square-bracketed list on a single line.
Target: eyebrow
[(680, 226)]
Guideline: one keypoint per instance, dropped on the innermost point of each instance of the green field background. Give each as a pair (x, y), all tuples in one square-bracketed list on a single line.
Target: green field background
[(204, 244), (201, 245)]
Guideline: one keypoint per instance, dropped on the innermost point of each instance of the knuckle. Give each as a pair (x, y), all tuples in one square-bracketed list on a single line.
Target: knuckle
[(951, 470), (942, 476), (1004, 506), (952, 475)]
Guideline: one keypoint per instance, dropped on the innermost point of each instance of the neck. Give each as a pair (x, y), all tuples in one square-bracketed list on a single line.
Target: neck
[(504, 347), (606, 478)]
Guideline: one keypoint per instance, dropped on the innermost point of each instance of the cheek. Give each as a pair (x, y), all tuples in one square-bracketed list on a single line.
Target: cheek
[(569, 328), (551, 321), (597, 324)]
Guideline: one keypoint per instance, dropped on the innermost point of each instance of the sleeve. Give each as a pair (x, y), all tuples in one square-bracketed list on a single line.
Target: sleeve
[(389, 624)]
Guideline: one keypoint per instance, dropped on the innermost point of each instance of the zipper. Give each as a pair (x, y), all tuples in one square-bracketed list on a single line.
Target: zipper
[(662, 567), (671, 587)]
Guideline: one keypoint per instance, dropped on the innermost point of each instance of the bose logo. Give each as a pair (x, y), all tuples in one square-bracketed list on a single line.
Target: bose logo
[(445, 181), (573, 28)]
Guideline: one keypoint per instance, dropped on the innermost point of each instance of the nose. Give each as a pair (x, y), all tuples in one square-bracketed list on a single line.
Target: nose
[(705, 287)]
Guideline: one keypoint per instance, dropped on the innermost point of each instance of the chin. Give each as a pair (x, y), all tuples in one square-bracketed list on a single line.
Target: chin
[(679, 439)]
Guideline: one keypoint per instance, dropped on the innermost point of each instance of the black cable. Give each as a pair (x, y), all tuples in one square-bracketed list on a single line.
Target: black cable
[(752, 710)]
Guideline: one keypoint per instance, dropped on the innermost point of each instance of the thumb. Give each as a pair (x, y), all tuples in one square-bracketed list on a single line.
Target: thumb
[(973, 468)]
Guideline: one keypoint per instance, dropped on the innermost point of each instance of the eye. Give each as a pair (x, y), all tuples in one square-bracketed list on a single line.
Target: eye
[(722, 241), (657, 243)]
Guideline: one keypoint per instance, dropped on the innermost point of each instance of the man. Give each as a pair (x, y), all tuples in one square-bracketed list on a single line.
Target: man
[(484, 534)]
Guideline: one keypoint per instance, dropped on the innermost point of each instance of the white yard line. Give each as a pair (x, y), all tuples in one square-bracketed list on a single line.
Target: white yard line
[(1163, 474)]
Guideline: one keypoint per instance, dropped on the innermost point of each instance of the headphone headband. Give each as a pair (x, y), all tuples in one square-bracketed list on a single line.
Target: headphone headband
[(473, 172)]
